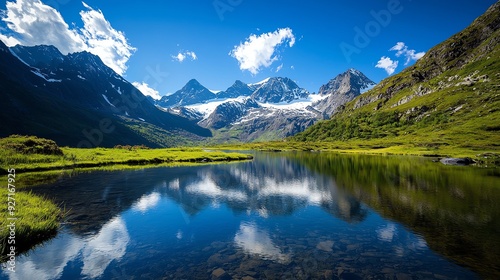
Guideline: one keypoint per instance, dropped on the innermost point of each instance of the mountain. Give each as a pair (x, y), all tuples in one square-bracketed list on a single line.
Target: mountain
[(78, 101), (342, 89), (237, 89), (277, 90), (38, 56), (193, 92), (268, 123), (448, 98), (229, 112), (271, 109)]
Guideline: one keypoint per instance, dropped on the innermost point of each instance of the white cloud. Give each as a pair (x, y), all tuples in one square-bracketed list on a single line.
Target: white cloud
[(181, 56), (31, 22), (147, 90), (260, 51), (279, 68), (9, 41), (387, 64), (34, 23), (402, 50), (103, 40)]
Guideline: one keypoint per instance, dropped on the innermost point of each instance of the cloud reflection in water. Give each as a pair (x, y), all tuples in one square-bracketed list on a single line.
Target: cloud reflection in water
[(97, 253), (255, 241)]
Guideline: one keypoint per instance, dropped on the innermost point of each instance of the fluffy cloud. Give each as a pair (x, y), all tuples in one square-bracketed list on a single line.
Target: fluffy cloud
[(103, 40), (260, 51), (387, 64), (410, 55), (181, 56), (147, 90), (31, 22)]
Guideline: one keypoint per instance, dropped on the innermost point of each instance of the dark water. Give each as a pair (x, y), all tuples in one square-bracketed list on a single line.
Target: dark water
[(281, 216)]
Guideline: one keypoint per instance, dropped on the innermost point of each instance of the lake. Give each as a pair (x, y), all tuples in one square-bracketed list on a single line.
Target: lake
[(280, 216)]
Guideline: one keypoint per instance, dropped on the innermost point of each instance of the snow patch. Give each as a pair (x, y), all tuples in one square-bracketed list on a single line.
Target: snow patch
[(14, 54), (107, 100), (43, 77), (260, 83), (208, 108), (81, 77), (353, 71), (142, 119)]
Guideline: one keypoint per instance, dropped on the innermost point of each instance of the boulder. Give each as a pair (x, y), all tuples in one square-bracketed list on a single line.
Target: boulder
[(457, 161), (220, 274)]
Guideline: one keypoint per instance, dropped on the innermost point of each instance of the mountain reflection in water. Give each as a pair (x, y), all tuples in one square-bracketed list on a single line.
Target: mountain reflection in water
[(291, 215)]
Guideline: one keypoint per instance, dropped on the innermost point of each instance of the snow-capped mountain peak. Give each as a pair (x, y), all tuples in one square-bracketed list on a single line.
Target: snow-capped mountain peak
[(193, 92), (259, 83), (278, 89)]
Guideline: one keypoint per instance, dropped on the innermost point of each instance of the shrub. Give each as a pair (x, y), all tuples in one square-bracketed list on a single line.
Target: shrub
[(30, 145)]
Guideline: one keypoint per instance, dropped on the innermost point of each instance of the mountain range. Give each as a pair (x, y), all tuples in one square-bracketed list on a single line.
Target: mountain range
[(268, 110), (448, 96), (77, 100)]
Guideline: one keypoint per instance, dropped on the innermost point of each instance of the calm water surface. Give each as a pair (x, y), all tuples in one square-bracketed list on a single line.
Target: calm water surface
[(281, 216)]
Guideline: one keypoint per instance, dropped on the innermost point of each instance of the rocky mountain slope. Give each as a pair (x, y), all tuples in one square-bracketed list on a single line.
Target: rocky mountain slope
[(78, 101), (450, 97), (342, 89), (268, 110)]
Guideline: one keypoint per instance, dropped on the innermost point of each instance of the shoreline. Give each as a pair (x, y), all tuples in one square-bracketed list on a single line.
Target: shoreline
[(38, 219), (110, 158)]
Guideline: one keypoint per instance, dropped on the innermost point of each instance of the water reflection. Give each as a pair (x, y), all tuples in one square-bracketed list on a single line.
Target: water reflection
[(96, 252), (108, 245), (272, 192), (284, 216), (146, 202), (387, 232), (255, 241), (48, 262)]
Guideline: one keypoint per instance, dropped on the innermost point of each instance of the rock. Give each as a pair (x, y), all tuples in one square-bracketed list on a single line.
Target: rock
[(328, 274), (215, 259), (403, 276), (457, 161), (325, 246), (220, 274)]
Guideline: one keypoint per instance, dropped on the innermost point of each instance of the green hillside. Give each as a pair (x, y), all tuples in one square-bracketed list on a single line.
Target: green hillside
[(449, 98)]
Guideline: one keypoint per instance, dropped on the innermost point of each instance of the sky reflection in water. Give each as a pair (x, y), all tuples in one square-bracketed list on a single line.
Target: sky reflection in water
[(276, 216)]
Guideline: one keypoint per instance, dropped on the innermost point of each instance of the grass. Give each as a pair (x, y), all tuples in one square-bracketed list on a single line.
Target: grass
[(37, 219), (28, 154)]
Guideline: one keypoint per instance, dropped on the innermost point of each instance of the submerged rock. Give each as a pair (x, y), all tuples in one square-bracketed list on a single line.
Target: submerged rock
[(325, 246), (457, 161), (220, 274)]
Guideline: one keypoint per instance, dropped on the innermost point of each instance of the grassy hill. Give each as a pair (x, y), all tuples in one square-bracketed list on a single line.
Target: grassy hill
[(449, 99)]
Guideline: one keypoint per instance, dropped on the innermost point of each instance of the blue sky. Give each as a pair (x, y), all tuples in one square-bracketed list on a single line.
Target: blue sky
[(310, 42)]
